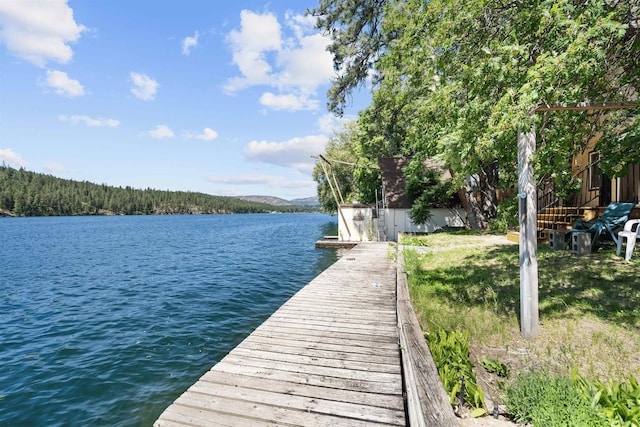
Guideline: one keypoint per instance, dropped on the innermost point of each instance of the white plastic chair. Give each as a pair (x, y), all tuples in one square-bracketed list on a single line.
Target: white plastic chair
[(631, 232)]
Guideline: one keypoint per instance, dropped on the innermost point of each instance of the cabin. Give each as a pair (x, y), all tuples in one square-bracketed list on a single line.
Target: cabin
[(389, 216), (596, 192)]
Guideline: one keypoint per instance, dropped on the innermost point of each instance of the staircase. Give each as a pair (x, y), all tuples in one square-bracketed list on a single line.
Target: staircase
[(558, 218), (382, 235), (561, 219), (554, 217)]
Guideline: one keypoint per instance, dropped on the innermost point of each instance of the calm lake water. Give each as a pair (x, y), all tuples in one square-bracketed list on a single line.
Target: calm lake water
[(106, 320)]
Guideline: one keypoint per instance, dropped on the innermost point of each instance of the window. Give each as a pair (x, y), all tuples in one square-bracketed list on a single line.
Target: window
[(595, 176)]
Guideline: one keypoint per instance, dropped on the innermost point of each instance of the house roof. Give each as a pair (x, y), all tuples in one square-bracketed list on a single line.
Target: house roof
[(394, 181)]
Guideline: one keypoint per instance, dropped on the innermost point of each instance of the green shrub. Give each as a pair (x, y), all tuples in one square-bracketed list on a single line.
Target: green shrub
[(618, 402), (450, 352), (506, 216), (427, 190), (547, 400), (413, 240), (494, 366)]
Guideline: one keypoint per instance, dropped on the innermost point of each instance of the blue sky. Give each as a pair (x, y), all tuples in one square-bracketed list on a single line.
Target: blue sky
[(220, 97)]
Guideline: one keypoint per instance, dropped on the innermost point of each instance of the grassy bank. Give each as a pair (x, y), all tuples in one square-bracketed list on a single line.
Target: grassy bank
[(589, 306)]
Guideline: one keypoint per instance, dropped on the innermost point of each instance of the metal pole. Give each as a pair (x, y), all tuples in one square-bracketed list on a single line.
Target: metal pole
[(529, 313)]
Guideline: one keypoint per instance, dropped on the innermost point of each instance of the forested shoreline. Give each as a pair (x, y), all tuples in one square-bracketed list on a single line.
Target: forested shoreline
[(26, 193)]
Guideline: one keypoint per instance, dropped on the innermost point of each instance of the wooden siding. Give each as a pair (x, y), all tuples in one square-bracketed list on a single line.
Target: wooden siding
[(394, 182)]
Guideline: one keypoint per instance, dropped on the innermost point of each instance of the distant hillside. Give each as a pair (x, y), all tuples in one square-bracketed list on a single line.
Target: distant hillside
[(276, 201), (308, 201), (270, 200), (24, 193)]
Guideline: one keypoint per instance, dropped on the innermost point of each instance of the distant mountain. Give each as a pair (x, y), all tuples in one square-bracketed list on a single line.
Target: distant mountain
[(277, 201), (270, 200), (308, 201)]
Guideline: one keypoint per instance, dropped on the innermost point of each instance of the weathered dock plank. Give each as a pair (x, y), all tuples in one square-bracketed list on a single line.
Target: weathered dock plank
[(427, 402), (328, 357), (317, 360), (305, 350)]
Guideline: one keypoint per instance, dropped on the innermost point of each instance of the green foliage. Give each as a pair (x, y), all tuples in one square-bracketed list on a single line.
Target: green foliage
[(494, 366), (24, 193), (340, 148), (507, 216), (413, 240), (426, 189), (450, 351), (420, 212), (590, 309), (355, 28), (618, 402), (461, 274), (472, 71), (458, 79), (547, 400)]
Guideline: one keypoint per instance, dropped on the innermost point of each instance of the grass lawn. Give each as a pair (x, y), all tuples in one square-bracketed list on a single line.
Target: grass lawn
[(589, 305)]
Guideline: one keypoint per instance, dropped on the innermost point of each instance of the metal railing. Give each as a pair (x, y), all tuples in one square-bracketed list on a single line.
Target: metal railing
[(624, 189), (555, 212)]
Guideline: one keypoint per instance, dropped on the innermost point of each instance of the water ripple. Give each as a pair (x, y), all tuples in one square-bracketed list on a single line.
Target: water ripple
[(106, 320)]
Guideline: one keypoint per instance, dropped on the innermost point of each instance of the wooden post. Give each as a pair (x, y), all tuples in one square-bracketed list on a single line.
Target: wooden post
[(333, 191), (527, 201), (527, 209)]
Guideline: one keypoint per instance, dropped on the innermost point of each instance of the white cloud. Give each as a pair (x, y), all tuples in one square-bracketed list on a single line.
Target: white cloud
[(258, 35), (55, 168), (39, 31), (329, 123), (89, 121), (288, 102), (144, 87), (245, 179), (300, 24), (295, 153), (161, 131), (207, 135), (295, 65), (9, 156), (63, 84), (306, 64), (188, 43)]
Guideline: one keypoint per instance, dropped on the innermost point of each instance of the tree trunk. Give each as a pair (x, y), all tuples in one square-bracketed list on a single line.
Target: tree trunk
[(471, 206), (481, 205), (488, 190)]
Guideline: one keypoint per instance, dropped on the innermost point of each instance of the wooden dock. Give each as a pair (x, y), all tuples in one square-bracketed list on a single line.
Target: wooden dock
[(329, 356)]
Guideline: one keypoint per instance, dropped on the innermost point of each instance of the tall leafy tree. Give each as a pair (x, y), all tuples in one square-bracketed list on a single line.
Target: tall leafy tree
[(457, 80), (355, 27)]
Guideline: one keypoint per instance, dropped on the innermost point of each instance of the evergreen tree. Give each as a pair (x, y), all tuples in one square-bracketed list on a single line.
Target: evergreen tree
[(24, 193)]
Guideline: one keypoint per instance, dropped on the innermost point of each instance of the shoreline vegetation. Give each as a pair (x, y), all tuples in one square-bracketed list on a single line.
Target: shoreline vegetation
[(25, 193), (466, 284)]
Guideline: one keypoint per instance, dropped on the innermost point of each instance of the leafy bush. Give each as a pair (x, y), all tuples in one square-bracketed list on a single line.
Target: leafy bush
[(547, 400), (506, 216), (450, 352), (427, 190), (618, 402), (496, 367)]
